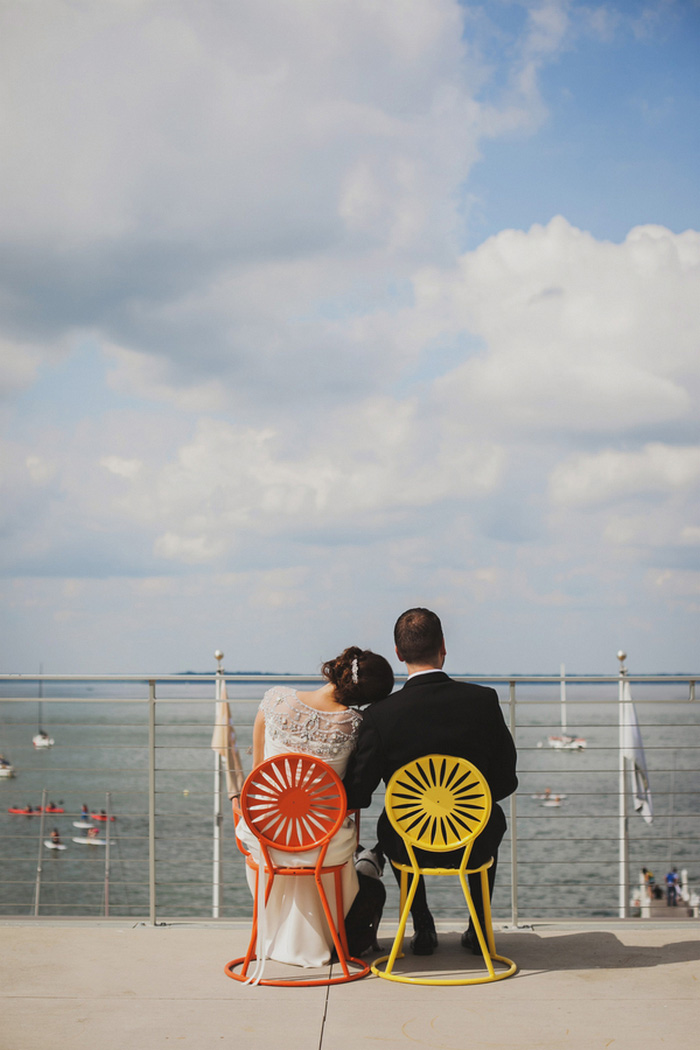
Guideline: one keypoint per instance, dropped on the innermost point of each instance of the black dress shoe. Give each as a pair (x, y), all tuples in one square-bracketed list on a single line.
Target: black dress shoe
[(470, 941), (424, 940)]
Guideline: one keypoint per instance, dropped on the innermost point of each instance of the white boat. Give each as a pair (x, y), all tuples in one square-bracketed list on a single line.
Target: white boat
[(6, 769), (92, 842), (565, 741), (553, 802), (84, 824), (54, 845), (41, 738), (544, 796)]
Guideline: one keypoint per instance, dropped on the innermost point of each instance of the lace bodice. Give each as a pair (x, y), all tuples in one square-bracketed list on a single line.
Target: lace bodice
[(292, 725)]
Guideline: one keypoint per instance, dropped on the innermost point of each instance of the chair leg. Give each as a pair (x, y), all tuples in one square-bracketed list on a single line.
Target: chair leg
[(488, 921), (337, 941), (477, 925), (398, 939), (250, 954)]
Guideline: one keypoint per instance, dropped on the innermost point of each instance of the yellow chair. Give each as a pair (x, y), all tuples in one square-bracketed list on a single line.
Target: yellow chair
[(437, 804)]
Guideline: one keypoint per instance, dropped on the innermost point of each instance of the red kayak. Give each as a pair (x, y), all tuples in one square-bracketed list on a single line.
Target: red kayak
[(36, 810), (101, 816)]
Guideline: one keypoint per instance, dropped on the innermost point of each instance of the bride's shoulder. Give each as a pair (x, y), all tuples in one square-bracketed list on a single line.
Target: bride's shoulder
[(278, 694)]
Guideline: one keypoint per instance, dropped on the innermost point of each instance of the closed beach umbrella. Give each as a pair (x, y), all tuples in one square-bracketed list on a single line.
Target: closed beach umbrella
[(223, 741)]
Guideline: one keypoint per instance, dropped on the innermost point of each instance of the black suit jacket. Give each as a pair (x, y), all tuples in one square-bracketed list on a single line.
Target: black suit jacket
[(433, 714)]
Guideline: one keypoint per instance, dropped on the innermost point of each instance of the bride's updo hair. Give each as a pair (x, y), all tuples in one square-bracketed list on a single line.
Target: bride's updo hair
[(359, 676)]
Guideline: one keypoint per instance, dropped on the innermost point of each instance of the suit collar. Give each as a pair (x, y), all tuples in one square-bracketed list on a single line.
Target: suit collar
[(426, 679)]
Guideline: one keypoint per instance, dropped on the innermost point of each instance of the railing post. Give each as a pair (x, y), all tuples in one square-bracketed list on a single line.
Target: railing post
[(513, 824), (623, 863), (107, 822), (218, 812), (37, 886), (152, 802)]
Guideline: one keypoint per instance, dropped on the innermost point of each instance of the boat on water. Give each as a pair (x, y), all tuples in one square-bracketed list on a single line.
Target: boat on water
[(565, 741), (54, 845), (87, 841), (41, 738), (7, 770), (35, 811)]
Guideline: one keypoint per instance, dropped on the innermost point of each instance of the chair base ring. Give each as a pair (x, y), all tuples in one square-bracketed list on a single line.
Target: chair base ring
[(485, 978), (281, 982)]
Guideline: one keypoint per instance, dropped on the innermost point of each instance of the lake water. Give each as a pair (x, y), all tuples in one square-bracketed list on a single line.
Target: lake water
[(567, 856)]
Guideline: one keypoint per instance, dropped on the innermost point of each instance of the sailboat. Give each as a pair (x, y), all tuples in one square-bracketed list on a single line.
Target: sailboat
[(565, 741), (41, 738)]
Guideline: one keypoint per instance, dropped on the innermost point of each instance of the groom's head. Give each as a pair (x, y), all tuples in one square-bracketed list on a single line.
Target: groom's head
[(419, 639)]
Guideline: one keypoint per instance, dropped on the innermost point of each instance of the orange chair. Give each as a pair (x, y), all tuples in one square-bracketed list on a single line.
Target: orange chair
[(294, 803)]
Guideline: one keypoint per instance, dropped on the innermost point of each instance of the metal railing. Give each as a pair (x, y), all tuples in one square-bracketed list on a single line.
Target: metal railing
[(141, 745)]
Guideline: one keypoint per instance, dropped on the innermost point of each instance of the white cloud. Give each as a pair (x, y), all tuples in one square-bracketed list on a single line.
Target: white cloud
[(578, 334), (612, 476), (123, 468)]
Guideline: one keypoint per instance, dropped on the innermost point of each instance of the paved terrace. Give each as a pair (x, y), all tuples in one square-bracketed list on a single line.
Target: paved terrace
[(106, 986)]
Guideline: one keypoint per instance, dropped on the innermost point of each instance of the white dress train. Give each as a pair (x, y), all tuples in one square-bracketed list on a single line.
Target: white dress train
[(296, 930)]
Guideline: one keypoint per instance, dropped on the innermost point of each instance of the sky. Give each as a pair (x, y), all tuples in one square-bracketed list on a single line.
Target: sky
[(312, 311)]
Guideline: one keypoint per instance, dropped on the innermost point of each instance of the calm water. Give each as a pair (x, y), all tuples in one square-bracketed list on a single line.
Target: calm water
[(567, 856)]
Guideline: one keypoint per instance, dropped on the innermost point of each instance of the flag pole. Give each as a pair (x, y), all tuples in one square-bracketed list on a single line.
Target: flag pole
[(218, 813), (624, 895)]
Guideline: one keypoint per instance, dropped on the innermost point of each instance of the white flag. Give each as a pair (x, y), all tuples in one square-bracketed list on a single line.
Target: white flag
[(223, 740), (633, 750)]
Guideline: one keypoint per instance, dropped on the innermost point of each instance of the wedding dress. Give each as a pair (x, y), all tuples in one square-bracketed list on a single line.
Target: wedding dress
[(295, 926)]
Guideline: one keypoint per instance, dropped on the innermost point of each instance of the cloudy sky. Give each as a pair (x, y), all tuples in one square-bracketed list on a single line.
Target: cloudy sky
[(314, 310)]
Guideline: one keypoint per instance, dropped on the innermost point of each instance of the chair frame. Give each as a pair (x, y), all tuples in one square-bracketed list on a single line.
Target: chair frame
[(439, 803), (294, 803)]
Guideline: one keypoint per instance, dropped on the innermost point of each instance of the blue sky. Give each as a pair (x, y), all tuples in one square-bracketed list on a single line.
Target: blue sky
[(312, 312), (620, 141)]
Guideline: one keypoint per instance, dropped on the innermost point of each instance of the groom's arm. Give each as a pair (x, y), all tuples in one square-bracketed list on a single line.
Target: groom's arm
[(364, 768)]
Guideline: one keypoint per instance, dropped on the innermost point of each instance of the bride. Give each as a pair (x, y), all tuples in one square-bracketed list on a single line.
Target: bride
[(323, 723)]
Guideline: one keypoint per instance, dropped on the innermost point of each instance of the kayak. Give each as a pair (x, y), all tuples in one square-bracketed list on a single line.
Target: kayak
[(54, 845), (93, 842), (101, 816), (36, 811), (82, 824)]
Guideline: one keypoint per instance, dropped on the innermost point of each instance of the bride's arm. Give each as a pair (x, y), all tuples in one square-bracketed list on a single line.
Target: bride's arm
[(258, 738)]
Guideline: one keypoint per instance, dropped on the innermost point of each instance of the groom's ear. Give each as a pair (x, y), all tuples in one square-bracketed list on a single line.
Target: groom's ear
[(396, 649)]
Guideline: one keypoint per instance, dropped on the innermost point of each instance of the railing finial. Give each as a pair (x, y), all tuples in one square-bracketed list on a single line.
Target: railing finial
[(622, 656), (219, 656)]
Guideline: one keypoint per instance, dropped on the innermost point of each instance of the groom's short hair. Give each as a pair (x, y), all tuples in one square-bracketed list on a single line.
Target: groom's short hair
[(418, 636)]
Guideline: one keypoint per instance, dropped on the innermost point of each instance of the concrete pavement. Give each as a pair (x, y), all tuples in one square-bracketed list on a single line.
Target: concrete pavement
[(106, 986)]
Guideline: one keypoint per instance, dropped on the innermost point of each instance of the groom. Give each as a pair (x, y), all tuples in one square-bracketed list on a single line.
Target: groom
[(433, 714)]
